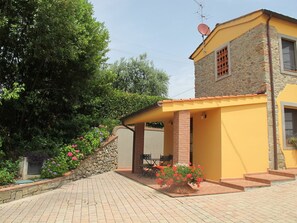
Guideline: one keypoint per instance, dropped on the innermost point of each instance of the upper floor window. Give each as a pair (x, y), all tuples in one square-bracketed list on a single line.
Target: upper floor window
[(222, 62), (289, 55)]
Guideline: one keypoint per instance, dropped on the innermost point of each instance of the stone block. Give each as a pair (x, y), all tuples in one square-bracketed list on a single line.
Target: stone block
[(30, 190), (51, 185), (4, 195), (18, 194)]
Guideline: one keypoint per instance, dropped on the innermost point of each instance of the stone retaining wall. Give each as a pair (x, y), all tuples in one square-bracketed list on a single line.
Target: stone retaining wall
[(103, 160)]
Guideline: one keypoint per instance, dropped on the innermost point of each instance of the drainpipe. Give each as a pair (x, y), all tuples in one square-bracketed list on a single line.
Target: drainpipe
[(272, 94), (133, 143)]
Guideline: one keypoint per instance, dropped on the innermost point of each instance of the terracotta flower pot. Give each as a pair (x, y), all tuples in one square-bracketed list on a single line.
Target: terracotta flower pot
[(181, 188)]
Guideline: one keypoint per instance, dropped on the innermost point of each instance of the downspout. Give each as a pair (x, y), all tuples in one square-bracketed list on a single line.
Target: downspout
[(133, 143), (272, 94)]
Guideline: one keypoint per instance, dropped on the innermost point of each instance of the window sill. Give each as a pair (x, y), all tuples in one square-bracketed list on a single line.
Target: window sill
[(290, 148), (223, 77), (289, 72)]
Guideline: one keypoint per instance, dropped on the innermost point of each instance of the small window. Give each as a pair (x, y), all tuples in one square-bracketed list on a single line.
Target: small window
[(289, 55), (222, 62), (290, 125)]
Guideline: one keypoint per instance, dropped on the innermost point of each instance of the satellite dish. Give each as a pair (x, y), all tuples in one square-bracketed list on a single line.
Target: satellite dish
[(203, 29)]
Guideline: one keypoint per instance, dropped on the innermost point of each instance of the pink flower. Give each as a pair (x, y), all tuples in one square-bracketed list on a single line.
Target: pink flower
[(81, 138), (159, 181), (77, 151), (74, 146), (74, 158), (69, 154), (189, 175), (199, 179)]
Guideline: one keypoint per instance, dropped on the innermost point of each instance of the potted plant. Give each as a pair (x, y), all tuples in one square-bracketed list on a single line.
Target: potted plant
[(293, 141), (177, 178)]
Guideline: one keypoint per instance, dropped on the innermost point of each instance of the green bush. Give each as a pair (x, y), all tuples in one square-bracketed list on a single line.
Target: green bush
[(54, 167), (83, 146), (2, 154), (95, 136), (72, 156), (118, 104), (11, 166), (91, 140), (6, 177)]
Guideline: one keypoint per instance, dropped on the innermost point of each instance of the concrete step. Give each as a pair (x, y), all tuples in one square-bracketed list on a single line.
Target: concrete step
[(243, 184), (267, 178), (287, 172)]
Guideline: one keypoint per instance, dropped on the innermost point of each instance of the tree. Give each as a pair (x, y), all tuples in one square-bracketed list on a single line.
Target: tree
[(54, 48), (138, 75), (10, 94)]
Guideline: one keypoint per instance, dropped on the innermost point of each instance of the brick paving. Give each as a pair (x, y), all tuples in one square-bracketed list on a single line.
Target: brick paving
[(110, 197)]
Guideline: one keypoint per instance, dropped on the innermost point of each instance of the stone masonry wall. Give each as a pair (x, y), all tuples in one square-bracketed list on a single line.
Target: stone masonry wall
[(247, 67), (280, 82), (103, 160)]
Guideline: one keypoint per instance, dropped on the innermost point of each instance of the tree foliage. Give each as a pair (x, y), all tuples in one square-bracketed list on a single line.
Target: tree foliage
[(138, 75), (10, 94), (101, 103), (55, 51), (54, 48)]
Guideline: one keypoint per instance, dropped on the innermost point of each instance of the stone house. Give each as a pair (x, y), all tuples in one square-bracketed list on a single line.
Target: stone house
[(245, 106), (255, 53)]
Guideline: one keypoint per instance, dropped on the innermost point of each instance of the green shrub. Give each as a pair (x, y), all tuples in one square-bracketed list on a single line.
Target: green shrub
[(91, 140), (117, 104), (83, 146), (6, 177), (11, 166), (2, 154), (95, 136), (54, 167), (72, 156)]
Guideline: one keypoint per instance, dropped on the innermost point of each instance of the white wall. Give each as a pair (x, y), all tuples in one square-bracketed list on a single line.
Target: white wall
[(153, 143)]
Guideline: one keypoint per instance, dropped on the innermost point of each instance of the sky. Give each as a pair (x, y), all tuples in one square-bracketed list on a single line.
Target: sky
[(167, 31)]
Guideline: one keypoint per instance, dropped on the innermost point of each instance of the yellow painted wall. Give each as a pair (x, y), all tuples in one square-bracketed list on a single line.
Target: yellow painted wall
[(284, 27), (168, 138), (229, 31), (207, 143), (244, 140), (289, 95)]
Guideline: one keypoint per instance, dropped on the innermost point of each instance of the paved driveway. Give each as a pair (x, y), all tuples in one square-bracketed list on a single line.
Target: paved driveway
[(110, 197)]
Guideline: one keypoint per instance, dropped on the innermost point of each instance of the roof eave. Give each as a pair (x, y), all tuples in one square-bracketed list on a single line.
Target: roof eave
[(264, 11), (148, 108)]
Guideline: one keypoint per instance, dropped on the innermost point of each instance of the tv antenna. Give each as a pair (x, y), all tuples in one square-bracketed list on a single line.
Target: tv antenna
[(203, 29), (201, 14)]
